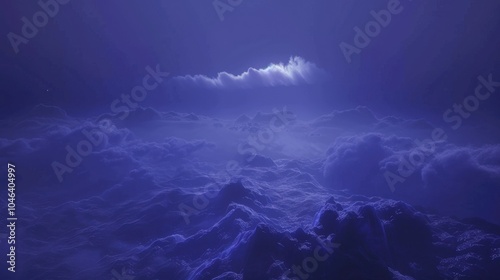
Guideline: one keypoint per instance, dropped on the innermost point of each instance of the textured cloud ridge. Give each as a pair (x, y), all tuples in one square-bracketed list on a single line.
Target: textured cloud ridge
[(297, 71)]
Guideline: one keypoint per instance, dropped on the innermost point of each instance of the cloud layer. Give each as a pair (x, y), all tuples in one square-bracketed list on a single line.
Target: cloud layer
[(451, 179), (297, 71), (142, 197)]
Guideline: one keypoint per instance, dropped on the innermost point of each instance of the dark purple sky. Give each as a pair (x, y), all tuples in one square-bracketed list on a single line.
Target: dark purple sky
[(428, 57)]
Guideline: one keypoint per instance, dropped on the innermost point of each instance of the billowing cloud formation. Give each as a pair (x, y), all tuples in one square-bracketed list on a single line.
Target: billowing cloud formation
[(446, 177), (52, 145), (298, 71), (153, 197), (359, 162)]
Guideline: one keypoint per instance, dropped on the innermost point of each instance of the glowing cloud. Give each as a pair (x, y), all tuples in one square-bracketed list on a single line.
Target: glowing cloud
[(297, 72)]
